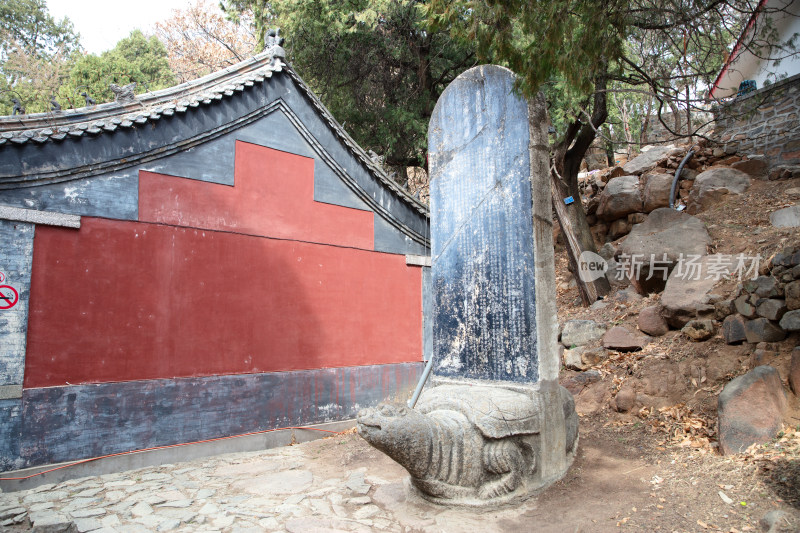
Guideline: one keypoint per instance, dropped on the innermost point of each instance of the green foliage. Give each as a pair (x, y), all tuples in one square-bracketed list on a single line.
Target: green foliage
[(645, 54), (135, 58), (540, 40), (26, 24), (33, 50), (261, 15), (374, 64)]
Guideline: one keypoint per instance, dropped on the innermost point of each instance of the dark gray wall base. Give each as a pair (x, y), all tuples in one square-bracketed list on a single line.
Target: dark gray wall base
[(59, 424), (188, 452)]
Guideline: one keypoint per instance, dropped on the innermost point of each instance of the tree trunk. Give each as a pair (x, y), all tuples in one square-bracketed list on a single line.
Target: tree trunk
[(578, 237), (646, 124), (564, 179), (611, 158)]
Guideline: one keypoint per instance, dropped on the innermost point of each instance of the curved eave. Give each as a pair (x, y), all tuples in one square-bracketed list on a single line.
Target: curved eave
[(105, 118)]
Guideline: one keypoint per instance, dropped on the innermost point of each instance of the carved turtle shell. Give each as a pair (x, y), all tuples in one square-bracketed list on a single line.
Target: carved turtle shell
[(496, 412)]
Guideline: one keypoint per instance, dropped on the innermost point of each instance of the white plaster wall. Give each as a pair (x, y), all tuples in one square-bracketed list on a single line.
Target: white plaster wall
[(749, 67)]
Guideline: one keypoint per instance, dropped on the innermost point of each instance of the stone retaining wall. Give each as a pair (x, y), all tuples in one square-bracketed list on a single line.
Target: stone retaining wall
[(764, 122)]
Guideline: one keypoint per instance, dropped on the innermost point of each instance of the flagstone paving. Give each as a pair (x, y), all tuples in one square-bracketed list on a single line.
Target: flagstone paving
[(621, 480)]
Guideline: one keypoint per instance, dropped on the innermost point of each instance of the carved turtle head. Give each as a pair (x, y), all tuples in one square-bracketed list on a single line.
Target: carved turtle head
[(401, 433)]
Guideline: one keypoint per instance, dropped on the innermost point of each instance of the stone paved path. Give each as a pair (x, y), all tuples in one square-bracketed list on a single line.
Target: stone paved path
[(620, 482), (311, 487)]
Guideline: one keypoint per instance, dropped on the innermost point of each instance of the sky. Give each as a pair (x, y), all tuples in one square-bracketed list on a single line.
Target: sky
[(101, 23)]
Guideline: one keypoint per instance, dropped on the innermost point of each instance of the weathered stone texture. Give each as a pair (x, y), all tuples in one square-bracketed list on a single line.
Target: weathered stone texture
[(647, 160), (15, 264), (793, 295), (764, 122), (686, 296), (791, 321), (620, 198), (651, 322), (794, 371), (656, 191), (482, 243), (466, 444), (622, 339), (762, 330), (771, 309), (666, 236), (733, 329), (788, 217), (751, 409), (714, 184), (699, 329), (580, 332)]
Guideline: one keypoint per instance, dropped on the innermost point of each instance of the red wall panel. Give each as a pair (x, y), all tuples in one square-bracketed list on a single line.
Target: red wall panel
[(273, 195), (119, 301)]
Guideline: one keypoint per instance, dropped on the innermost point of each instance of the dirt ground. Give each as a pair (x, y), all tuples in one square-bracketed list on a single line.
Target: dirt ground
[(657, 467), (624, 479)]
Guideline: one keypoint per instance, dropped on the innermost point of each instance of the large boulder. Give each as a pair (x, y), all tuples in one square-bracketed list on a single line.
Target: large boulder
[(733, 329), (581, 332), (763, 330), (756, 168), (647, 160), (794, 371), (651, 321), (667, 236), (788, 217), (750, 409), (620, 198), (623, 340), (686, 294), (793, 295), (791, 321), (714, 184), (656, 191), (699, 330)]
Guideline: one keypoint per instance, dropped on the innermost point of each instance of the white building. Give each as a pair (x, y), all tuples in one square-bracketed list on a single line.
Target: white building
[(745, 63)]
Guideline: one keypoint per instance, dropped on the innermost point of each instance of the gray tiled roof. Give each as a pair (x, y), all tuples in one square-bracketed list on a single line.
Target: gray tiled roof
[(187, 97)]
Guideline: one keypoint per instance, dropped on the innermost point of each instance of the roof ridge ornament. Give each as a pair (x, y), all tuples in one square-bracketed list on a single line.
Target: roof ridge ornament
[(17, 109), (89, 100), (124, 94), (275, 46)]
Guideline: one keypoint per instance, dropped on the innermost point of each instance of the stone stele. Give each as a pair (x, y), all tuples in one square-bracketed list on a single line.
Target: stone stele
[(493, 426)]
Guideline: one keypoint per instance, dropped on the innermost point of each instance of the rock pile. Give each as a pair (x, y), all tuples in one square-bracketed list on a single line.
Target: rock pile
[(620, 197), (677, 259), (767, 308)]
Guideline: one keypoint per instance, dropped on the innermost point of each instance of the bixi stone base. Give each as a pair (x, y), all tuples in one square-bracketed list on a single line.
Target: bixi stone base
[(476, 444)]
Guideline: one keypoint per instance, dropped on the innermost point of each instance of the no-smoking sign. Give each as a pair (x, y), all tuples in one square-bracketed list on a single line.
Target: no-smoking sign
[(8, 297), (8, 294)]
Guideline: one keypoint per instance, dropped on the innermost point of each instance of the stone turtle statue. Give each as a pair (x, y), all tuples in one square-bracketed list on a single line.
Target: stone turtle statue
[(464, 444)]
